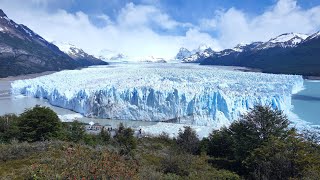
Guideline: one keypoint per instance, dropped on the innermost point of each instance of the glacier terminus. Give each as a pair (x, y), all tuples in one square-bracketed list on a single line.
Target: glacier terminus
[(199, 95)]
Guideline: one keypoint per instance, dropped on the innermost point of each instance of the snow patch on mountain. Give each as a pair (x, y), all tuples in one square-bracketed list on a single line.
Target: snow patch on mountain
[(28, 32), (287, 37), (313, 36), (70, 49), (284, 40), (197, 95)]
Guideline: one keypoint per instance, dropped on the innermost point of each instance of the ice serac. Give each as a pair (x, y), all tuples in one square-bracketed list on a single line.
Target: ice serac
[(161, 92)]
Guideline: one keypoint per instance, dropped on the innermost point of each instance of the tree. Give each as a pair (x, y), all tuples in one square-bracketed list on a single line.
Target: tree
[(126, 140), (39, 124), (8, 127), (266, 122), (255, 127), (188, 140), (75, 131), (220, 143), (284, 158), (104, 136), (238, 141)]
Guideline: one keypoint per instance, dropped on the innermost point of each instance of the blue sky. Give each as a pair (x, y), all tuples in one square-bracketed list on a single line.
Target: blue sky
[(161, 27)]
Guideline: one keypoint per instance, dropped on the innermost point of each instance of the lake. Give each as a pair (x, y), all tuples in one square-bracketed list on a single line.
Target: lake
[(307, 102)]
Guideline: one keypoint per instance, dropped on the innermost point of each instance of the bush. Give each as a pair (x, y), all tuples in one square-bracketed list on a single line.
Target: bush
[(39, 124), (22, 150), (178, 164), (83, 162)]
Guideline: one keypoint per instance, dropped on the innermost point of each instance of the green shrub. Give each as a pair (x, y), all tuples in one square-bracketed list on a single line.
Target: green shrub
[(82, 162), (175, 163)]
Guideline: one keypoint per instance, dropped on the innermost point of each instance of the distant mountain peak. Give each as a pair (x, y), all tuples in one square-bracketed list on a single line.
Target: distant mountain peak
[(78, 54), (203, 47), (183, 53), (240, 47), (196, 55)]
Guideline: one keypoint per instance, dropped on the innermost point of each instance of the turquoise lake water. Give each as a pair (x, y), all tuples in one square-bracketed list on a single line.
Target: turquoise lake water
[(307, 102)]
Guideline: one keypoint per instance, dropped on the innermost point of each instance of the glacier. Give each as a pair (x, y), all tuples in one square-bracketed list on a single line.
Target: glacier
[(199, 95)]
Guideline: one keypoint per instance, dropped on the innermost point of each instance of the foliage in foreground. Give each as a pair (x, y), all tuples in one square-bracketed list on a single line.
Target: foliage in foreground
[(62, 160), (260, 145)]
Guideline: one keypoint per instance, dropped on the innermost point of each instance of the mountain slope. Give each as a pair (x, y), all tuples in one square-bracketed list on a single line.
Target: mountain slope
[(79, 55), (23, 52), (298, 54)]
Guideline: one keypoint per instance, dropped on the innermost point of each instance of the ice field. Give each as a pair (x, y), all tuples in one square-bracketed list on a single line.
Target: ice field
[(199, 95)]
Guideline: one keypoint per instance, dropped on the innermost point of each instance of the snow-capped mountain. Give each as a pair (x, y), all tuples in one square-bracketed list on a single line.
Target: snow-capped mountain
[(118, 57), (284, 41), (287, 40), (313, 36), (78, 54), (194, 56), (183, 53), (110, 55), (290, 53), (113, 56)]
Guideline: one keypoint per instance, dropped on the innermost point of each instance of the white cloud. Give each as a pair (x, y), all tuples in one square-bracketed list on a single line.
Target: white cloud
[(131, 33), (105, 18), (208, 24), (234, 26), (135, 30)]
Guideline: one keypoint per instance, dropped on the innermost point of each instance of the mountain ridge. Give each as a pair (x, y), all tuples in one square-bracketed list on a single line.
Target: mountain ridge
[(296, 55), (22, 51)]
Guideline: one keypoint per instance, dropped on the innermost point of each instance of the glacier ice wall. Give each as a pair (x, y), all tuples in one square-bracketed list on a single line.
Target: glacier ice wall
[(212, 96)]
